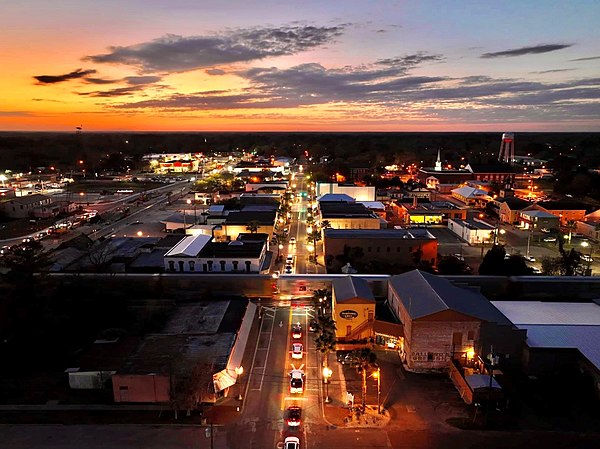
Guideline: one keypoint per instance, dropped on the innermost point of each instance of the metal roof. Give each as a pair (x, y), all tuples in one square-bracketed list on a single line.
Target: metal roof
[(538, 213), (351, 287), (556, 313), (425, 294), (336, 197), (189, 246), (583, 338), (469, 192)]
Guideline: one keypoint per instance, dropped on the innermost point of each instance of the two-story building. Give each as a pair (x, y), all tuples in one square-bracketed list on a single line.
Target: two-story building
[(200, 254), (353, 308), (342, 215), (443, 322), (24, 206)]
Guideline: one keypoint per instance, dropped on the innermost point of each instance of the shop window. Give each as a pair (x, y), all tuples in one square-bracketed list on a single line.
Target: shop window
[(470, 335), (191, 264), (248, 263), (235, 265), (180, 265), (222, 262), (210, 265), (430, 356), (171, 265)]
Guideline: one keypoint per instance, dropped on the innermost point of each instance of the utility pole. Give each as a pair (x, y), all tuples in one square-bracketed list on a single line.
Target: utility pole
[(493, 360)]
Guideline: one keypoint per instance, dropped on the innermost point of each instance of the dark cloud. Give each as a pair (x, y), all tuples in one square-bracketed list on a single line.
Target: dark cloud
[(303, 85), (100, 80), (591, 58), (140, 80), (534, 50), (118, 92), (388, 92), (174, 53), (15, 114), (52, 79), (215, 72), (552, 71), (410, 61)]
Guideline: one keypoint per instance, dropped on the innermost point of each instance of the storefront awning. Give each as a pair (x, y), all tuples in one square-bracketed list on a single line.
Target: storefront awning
[(388, 329)]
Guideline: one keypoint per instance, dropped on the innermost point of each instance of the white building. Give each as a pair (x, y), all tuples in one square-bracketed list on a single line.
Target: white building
[(471, 231), (200, 254), (359, 193)]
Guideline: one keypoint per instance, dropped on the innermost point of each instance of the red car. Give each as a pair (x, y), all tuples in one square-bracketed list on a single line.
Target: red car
[(294, 415)]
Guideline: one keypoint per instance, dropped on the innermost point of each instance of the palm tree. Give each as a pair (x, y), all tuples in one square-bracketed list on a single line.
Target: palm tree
[(325, 343), (325, 224), (363, 360), (253, 226), (321, 299)]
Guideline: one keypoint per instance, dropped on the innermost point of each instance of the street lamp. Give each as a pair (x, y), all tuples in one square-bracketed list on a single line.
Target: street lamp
[(377, 375), (327, 372), (239, 371)]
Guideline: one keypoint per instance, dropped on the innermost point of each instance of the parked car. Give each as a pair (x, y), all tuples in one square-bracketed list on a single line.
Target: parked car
[(344, 357), (586, 258), (530, 258), (312, 326), (550, 239)]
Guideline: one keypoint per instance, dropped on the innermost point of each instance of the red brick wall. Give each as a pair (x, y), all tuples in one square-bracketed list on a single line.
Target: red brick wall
[(400, 250)]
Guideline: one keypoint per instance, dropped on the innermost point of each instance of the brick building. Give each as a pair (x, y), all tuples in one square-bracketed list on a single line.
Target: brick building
[(444, 322)]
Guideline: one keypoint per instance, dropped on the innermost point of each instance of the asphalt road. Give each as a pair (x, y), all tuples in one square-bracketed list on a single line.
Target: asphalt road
[(262, 423)]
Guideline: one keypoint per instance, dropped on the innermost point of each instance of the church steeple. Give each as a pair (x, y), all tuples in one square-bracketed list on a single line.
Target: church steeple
[(438, 163)]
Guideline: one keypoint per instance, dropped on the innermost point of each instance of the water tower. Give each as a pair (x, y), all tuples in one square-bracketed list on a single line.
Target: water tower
[(507, 148)]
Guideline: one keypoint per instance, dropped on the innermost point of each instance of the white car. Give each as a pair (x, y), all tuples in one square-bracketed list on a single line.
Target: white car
[(586, 258), (291, 443), (550, 239), (296, 381), (297, 350), (530, 258)]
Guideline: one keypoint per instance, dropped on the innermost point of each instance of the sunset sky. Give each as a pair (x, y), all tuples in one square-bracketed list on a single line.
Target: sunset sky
[(234, 65)]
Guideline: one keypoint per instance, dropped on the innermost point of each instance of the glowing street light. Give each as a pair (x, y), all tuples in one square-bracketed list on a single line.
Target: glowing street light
[(239, 371), (327, 372), (377, 375)]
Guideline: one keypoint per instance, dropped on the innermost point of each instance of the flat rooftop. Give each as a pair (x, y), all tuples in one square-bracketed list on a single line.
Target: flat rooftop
[(202, 317), (379, 233)]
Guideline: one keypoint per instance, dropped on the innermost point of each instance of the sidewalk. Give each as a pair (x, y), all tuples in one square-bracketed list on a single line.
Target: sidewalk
[(229, 409), (346, 380)]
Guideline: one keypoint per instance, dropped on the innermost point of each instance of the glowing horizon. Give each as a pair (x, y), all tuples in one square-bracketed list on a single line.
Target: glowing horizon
[(144, 66)]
